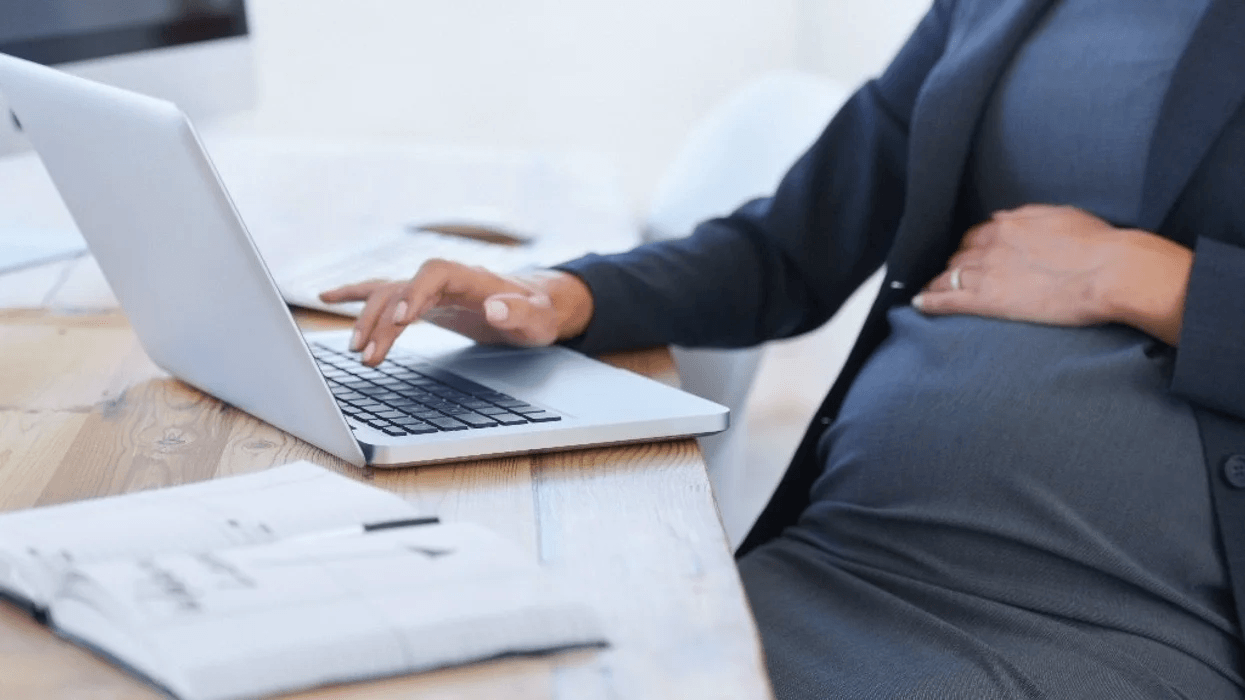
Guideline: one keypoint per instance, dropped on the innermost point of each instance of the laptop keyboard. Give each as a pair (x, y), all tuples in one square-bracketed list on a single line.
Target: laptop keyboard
[(406, 396)]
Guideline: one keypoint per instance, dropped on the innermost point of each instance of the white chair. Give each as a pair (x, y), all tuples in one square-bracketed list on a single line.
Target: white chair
[(738, 152)]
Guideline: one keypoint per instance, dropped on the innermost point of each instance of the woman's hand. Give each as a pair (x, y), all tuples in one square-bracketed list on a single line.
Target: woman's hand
[(533, 309), (1065, 267)]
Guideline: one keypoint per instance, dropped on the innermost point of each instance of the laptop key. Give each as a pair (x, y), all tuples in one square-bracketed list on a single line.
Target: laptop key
[(475, 420), (495, 396), (447, 423), (378, 423), (452, 395), (415, 427), (418, 397), (541, 416), (509, 419)]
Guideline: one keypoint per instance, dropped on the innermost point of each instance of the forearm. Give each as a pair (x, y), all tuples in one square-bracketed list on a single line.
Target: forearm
[(712, 288), (1147, 282)]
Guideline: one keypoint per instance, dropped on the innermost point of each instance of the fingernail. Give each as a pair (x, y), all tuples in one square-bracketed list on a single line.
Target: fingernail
[(369, 351), (496, 311), (355, 340), (399, 312), (918, 302)]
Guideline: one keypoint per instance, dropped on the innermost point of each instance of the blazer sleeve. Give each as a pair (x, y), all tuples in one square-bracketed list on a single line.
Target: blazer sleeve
[(782, 265), (1210, 361)]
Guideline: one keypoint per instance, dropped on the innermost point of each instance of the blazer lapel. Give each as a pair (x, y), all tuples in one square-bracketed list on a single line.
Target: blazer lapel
[(1207, 88), (943, 125)]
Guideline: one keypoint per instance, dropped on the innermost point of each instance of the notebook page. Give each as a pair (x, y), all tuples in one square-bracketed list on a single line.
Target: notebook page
[(38, 546), (317, 610)]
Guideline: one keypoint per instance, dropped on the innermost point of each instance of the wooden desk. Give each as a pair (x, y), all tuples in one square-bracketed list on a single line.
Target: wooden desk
[(84, 413)]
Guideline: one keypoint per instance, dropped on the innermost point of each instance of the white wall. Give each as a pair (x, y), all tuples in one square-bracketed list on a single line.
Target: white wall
[(626, 78), (853, 40)]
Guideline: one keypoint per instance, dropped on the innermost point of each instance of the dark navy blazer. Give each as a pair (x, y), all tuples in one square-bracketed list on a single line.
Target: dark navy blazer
[(881, 185)]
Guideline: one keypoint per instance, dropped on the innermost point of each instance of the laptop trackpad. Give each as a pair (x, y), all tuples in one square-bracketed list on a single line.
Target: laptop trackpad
[(553, 377), (519, 369)]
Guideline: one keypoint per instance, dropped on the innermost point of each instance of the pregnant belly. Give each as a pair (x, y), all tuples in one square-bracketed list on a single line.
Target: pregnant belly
[(966, 441)]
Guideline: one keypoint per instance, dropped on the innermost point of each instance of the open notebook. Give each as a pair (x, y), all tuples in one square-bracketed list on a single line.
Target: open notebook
[(290, 578)]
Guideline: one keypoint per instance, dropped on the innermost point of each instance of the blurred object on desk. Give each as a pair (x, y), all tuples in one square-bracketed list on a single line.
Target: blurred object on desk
[(299, 198), (304, 199), (475, 226), (399, 257)]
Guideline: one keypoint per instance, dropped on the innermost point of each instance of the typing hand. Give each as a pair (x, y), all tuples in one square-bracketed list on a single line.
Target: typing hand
[(534, 309)]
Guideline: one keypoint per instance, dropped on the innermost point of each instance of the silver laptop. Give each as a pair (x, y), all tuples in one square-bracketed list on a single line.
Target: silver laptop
[(175, 251)]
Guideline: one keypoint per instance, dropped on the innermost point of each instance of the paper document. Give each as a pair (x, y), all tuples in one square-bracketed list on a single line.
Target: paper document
[(290, 578)]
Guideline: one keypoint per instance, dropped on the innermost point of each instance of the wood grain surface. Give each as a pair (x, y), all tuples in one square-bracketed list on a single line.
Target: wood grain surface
[(84, 413)]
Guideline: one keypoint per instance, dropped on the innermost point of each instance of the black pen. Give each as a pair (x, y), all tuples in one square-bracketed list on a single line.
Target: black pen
[(410, 522), (365, 528)]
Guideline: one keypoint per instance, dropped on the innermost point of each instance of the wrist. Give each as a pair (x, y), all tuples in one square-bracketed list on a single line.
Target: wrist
[(1147, 287), (572, 302)]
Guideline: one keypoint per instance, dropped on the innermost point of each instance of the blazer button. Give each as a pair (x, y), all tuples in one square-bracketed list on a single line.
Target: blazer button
[(1234, 471)]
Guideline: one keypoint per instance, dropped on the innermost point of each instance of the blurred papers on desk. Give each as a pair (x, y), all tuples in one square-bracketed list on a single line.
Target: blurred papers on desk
[(302, 198)]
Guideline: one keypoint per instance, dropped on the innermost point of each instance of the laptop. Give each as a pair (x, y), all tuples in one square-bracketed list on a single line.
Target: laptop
[(159, 222)]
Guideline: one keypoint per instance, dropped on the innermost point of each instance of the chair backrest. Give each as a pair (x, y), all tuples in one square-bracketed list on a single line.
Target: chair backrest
[(741, 150), (738, 152)]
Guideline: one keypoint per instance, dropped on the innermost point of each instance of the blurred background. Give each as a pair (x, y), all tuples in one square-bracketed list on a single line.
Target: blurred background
[(580, 121), (623, 79), (626, 81)]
